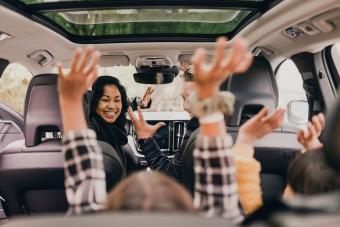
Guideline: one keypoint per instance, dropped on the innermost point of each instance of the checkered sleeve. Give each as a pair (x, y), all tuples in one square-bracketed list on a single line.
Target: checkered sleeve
[(84, 172), (215, 178)]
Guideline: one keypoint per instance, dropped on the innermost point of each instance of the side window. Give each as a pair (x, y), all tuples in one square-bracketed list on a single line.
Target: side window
[(292, 96), (13, 86)]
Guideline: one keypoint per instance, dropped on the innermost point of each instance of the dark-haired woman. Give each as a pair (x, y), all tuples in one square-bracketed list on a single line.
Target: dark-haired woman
[(107, 113)]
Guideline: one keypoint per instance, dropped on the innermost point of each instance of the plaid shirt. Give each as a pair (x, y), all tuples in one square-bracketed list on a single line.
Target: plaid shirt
[(215, 178), (215, 185), (84, 172)]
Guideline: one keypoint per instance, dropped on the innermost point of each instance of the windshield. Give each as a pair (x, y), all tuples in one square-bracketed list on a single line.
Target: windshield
[(166, 97)]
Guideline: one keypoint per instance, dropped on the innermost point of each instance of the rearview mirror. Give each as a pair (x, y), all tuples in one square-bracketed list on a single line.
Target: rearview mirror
[(298, 112), (153, 77)]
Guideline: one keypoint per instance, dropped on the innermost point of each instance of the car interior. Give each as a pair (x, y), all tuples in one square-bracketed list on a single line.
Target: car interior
[(38, 34)]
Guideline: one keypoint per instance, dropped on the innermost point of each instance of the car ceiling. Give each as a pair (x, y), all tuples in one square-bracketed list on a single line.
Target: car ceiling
[(267, 31)]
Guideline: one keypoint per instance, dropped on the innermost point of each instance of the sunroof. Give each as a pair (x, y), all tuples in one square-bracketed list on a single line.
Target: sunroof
[(103, 19), (148, 21), (48, 1)]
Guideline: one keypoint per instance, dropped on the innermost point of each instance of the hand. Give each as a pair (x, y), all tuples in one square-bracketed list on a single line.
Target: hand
[(83, 72), (309, 139), (209, 80), (143, 130), (259, 126), (147, 97), (184, 66)]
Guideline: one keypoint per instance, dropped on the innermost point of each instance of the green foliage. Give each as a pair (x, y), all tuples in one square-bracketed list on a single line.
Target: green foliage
[(156, 27)]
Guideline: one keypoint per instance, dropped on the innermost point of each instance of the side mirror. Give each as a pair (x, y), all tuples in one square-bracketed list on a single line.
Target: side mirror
[(298, 112)]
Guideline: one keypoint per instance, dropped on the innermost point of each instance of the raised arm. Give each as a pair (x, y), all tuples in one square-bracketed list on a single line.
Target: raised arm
[(84, 180), (248, 169), (215, 173), (310, 139)]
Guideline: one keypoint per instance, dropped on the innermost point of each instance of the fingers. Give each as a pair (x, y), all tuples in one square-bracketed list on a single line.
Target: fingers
[(245, 64), (275, 120), (318, 122), (140, 114), (263, 112), (146, 93), (132, 116), (237, 55), (301, 137), (75, 60), (151, 90), (220, 52), (91, 78), (159, 125), (311, 131), (93, 65), (322, 119), (84, 59), (197, 61), (60, 71)]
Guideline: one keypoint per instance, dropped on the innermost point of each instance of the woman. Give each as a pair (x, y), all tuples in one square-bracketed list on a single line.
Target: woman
[(107, 113)]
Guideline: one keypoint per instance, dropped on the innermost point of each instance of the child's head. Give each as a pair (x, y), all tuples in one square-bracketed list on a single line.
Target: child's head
[(145, 191), (310, 174)]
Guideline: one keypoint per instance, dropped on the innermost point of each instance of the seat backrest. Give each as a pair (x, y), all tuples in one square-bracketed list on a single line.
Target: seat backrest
[(255, 89), (32, 169), (126, 219)]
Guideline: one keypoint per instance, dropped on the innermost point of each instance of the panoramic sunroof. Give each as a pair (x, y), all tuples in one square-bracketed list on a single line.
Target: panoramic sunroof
[(102, 19), (148, 21)]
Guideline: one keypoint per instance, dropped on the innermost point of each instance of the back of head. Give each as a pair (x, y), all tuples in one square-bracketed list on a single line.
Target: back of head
[(145, 191), (310, 174)]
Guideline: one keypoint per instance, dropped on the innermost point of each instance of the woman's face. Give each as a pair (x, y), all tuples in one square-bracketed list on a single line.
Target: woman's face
[(109, 106)]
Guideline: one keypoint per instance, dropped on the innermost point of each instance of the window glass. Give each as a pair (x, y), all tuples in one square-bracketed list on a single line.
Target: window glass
[(13, 86), (290, 85), (148, 21)]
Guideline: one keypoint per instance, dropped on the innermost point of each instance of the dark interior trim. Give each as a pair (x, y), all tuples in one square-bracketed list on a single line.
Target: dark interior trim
[(3, 64)]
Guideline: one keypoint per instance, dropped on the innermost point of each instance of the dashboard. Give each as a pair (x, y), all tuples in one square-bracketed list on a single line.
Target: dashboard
[(169, 137)]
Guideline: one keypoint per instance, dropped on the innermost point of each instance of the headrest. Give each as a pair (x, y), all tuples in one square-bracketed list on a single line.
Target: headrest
[(41, 111), (330, 138), (253, 89)]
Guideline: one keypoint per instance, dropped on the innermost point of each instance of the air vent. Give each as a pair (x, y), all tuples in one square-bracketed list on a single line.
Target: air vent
[(293, 32), (178, 131)]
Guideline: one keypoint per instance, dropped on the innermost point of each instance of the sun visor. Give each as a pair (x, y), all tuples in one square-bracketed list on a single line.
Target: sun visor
[(186, 58), (106, 60), (112, 60)]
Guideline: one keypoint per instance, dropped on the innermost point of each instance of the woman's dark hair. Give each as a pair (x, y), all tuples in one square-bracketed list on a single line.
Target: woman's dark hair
[(310, 174), (98, 91), (146, 191)]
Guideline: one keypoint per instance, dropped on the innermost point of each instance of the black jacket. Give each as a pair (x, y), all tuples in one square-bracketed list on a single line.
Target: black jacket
[(158, 161)]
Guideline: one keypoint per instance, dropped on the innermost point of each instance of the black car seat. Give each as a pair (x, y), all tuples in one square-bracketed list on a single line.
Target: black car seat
[(254, 89), (31, 170)]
